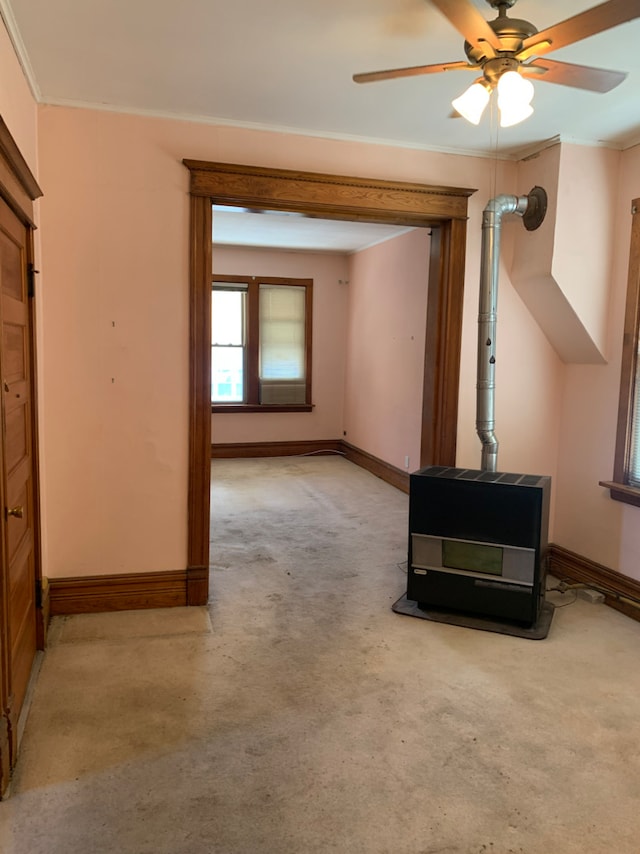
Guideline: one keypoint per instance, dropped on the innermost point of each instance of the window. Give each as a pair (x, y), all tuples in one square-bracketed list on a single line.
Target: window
[(261, 344), (626, 472)]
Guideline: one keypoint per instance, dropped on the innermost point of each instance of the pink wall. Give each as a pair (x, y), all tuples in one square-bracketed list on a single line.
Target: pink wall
[(115, 250), (560, 271), (329, 272), (385, 348), (586, 210), (588, 521), (115, 223)]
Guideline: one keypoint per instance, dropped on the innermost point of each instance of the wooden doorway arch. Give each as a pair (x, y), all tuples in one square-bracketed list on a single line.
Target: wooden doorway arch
[(443, 209)]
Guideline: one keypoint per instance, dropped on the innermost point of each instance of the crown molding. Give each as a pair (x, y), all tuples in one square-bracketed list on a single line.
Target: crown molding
[(6, 13), (482, 154), (632, 142), (531, 151)]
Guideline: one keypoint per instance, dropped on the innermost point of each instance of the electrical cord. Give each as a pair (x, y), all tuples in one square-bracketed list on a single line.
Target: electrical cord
[(558, 590), (563, 587), (323, 453)]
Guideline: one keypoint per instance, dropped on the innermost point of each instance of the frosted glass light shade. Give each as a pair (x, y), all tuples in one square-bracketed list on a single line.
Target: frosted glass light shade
[(514, 115), (514, 98), (471, 103)]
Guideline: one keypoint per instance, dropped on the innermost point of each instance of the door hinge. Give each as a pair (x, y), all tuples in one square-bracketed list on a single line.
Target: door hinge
[(38, 593), (31, 280)]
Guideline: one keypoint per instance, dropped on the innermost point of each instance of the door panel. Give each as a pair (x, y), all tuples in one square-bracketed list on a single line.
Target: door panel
[(11, 261), (16, 437), (18, 459), (15, 347)]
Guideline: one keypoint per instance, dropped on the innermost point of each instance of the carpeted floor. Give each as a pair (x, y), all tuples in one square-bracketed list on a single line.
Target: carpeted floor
[(300, 715)]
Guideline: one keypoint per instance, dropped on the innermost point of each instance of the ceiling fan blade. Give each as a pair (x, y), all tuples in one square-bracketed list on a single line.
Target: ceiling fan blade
[(581, 26), (568, 74), (469, 22), (413, 71)]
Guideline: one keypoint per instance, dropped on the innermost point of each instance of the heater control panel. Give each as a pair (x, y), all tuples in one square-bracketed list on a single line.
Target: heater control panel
[(491, 561)]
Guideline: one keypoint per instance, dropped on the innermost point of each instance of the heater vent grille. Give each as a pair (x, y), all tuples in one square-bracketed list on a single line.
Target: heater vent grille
[(530, 480), (451, 473), (510, 478)]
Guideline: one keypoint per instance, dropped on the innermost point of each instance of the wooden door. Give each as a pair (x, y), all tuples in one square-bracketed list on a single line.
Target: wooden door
[(19, 525)]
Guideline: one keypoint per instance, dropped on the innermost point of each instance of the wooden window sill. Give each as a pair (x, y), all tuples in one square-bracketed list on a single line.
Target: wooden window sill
[(257, 407), (622, 492)]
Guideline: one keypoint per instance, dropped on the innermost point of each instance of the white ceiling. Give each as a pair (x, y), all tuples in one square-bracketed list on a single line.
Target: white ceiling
[(287, 64), (275, 229)]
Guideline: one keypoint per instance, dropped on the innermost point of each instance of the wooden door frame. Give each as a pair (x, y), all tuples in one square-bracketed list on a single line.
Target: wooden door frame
[(19, 189), (442, 209)]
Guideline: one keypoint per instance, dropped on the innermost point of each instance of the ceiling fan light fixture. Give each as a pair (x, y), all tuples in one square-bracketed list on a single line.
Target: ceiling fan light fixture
[(471, 104), (515, 115), (514, 98)]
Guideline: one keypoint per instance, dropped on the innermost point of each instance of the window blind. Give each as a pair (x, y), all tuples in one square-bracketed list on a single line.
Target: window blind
[(282, 326)]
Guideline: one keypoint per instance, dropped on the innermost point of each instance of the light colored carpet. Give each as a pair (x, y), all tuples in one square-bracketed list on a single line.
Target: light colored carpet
[(312, 719)]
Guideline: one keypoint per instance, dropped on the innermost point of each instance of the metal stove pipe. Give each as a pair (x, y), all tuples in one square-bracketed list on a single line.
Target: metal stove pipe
[(532, 208)]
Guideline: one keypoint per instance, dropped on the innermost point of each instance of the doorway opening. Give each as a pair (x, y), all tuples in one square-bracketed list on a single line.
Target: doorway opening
[(442, 209)]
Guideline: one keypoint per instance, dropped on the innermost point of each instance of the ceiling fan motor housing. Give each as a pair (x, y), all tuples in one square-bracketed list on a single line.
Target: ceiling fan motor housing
[(511, 32)]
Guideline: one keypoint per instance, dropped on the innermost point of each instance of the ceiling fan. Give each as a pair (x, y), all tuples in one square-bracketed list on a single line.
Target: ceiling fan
[(507, 51)]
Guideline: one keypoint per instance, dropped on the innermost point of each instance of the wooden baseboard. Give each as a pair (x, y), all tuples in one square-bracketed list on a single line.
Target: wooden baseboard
[(620, 590), (88, 594), (237, 450), (385, 471)]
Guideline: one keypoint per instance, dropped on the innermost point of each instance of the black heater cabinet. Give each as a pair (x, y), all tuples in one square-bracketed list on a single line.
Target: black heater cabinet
[(478, 542)]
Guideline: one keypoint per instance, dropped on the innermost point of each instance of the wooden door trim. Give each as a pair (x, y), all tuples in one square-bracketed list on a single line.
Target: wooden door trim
[(444, 329), (443, 209), (199, 401), (18, 187), (345, 197)]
